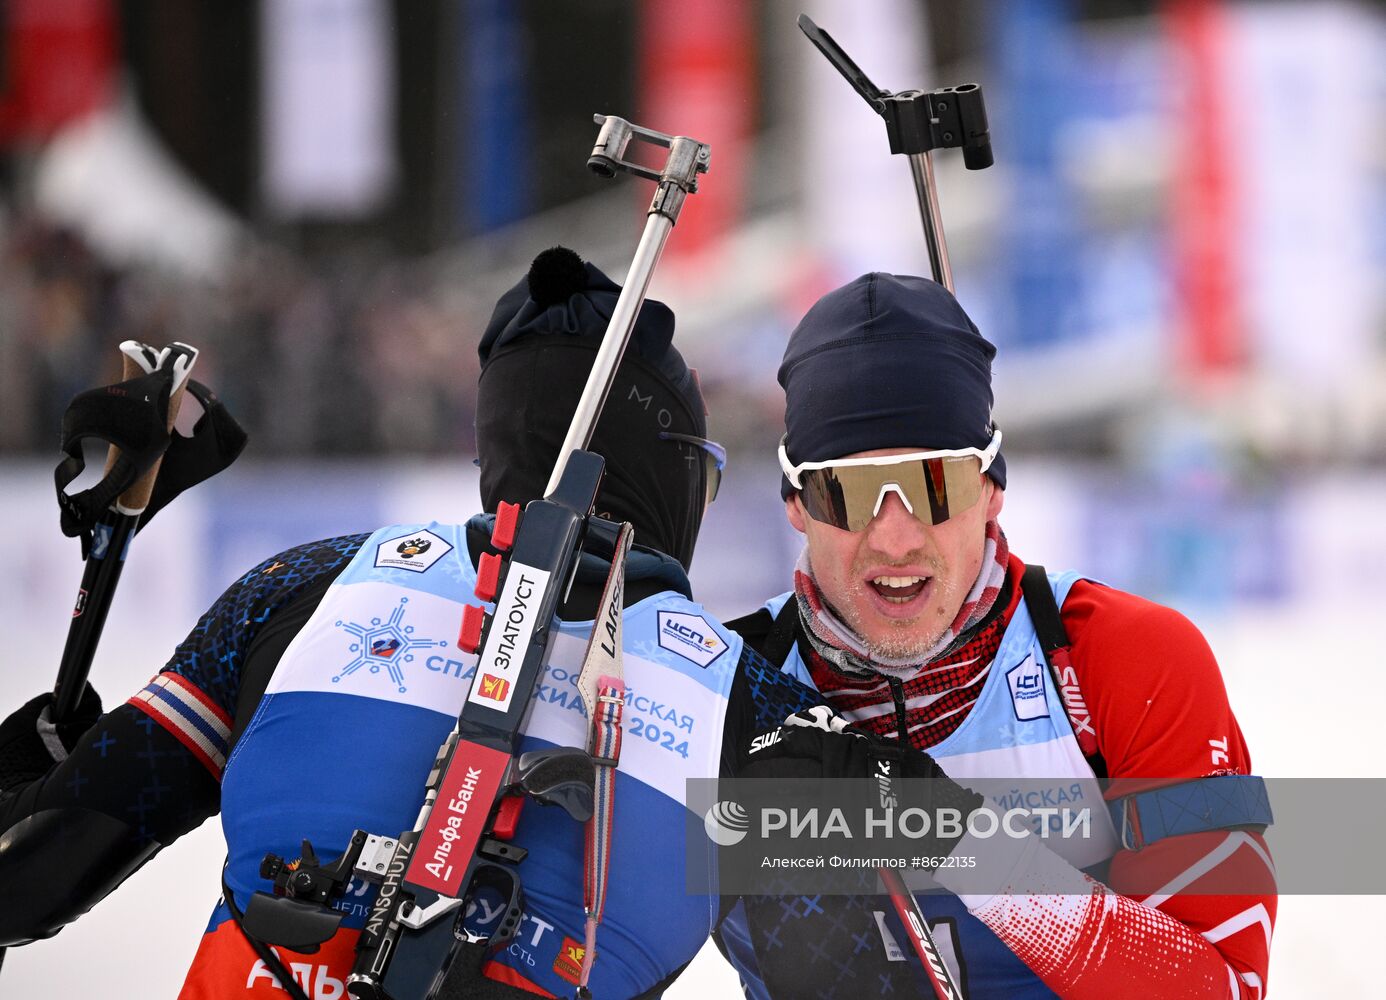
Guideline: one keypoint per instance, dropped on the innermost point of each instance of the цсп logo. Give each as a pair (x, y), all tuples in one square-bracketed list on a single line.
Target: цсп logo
[(726, 823)]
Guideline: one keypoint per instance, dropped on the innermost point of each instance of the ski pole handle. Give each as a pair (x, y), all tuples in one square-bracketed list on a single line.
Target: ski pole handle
[(111, 536), (141, 360)]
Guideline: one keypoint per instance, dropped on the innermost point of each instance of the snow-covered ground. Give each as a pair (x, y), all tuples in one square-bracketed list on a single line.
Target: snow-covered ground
[(1303, 684)]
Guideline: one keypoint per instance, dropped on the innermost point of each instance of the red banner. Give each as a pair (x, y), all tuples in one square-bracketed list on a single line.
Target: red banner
[(697, 78), (1212, 337), (59, 64)]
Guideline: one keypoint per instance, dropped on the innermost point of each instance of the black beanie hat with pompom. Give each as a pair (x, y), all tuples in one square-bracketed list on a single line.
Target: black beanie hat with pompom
[(536, 354)]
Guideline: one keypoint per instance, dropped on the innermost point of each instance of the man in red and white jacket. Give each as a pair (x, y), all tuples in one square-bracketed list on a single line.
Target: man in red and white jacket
[(916, 624)]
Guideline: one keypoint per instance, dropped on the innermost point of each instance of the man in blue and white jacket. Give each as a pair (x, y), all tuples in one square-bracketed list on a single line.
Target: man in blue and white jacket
[(310, 699)]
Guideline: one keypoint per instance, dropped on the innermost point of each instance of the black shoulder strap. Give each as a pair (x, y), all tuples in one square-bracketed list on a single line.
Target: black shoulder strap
[(783, 633), (1044, 610), (1053, 637)]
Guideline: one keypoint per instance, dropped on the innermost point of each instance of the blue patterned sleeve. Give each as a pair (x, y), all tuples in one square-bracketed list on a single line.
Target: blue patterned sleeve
[(773, 694), (211, 657)]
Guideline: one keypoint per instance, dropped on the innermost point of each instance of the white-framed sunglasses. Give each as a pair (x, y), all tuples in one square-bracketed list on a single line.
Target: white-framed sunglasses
[(933, 485)]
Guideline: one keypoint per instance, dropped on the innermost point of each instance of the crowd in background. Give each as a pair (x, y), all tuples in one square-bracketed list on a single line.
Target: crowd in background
[(337, 354)]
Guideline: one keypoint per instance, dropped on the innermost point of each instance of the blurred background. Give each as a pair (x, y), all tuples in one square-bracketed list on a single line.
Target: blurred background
[(1179, 253)]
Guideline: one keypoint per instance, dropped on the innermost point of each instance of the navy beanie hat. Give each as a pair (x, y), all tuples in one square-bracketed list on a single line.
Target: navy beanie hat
[(536, 354), (886, 361)]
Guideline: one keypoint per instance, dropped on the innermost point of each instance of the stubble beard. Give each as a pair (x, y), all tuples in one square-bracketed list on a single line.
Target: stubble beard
[(908, 639)]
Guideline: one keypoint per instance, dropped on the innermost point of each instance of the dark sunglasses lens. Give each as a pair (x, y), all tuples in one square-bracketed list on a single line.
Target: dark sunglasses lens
[(952, 486), (714, 460), (713, 471), (823, 500)]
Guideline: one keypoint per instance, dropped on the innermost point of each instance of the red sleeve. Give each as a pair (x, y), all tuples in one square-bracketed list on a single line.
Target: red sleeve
[(1161, 713), (1161, 716), (1153, 687)]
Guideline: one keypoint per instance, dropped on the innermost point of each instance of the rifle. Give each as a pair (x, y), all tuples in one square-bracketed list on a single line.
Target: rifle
[(918, 122), (414, 944)]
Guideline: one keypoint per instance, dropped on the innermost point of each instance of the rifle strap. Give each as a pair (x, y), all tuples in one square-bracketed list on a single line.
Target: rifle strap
[(603, 689)]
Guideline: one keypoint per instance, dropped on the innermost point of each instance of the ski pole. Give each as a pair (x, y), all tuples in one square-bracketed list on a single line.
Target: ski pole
[(907, 909), (112, 533), (918, 122)]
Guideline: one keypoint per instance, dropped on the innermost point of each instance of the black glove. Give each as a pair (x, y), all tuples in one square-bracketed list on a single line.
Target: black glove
[(30, 744), (817, 743)]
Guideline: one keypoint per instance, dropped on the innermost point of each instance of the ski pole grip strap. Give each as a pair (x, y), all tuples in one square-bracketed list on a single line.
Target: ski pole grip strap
[(133, 417), (136, 498)]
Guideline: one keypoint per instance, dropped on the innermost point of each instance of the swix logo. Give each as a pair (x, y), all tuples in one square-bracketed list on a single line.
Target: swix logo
[(385, 643), (884, 785), (942, 978), (493, 687), (1077, 708), (765, 740)]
